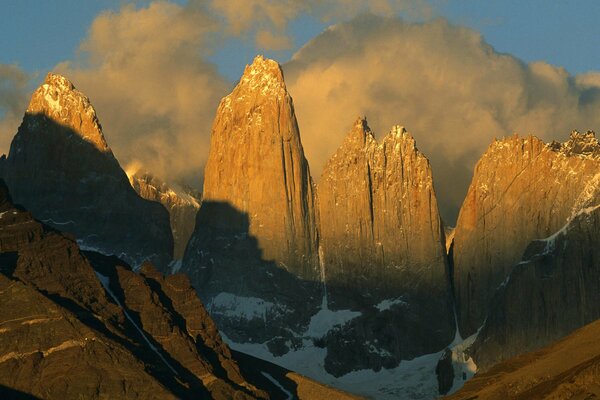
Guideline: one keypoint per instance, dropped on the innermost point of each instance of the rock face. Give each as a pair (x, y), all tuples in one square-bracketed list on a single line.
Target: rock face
[(61, 168), (380, 230), (253, 256), (522, 190), (182, 206), (100, 329), (383, 249), (552, 292), (256, 166), (567, 369), (79, 324)]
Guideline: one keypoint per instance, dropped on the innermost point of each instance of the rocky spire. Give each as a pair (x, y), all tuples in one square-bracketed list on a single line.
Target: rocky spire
[(61, 168), (257, 167), (382, 241), (58, 99), (378, 210)]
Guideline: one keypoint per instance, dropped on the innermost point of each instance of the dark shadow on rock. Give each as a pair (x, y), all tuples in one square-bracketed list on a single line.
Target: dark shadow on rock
[(69, 184), (107, 266), (223, 257), (7, 393), (225, 263), (254, 369)]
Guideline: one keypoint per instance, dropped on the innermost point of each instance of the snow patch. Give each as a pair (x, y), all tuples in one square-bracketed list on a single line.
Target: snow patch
[(231, 305), (389, 303), (326, 319)]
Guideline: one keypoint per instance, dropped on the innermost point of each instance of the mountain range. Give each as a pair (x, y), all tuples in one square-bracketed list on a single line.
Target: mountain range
[(353, 281)]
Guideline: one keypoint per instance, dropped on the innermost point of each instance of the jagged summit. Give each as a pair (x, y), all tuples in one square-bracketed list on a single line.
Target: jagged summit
[(58, 99), (264, 76), (361, 135), (522, 189), (61, 169), (585, 144)]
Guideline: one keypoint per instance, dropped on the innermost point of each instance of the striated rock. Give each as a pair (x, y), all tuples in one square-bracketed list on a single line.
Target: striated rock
[(552, 292), (253, 256), (62, 318), (182, 205), (567, 369), (61, 168), (381, 232), (382, 248), (522, 190), (256, 166)]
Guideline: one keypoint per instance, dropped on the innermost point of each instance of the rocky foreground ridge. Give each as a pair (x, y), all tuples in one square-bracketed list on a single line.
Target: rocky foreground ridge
[(77, 324), (61, 168), (567, 369)]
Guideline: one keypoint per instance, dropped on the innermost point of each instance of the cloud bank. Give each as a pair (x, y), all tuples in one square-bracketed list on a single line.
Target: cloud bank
[(13, 101), (145, 70), (450, 89), (155, 94)]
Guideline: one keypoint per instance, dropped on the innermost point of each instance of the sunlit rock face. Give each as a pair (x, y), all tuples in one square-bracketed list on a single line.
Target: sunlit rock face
[(522, 190), (182, 205), (380, 228), (257, 166), (382, 248), (253, 255), (61, 168)]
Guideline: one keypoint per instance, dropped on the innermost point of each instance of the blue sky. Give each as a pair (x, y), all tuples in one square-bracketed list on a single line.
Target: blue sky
[(38, 34)]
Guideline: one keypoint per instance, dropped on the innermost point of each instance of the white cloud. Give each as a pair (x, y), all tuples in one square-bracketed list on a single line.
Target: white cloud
[(451, 90)]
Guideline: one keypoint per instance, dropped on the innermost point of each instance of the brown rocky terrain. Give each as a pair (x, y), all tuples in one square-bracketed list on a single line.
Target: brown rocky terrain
[(61, 168), (182, 206), (566, 369), (522, 190), (87, 310), (79, 324)]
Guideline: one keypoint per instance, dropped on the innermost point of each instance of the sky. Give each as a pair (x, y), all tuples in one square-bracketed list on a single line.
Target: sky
[(455, 73)]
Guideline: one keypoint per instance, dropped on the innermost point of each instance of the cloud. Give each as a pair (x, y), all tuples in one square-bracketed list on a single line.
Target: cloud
[(13, 101), (155, 94), (268, 20), (451, 90)]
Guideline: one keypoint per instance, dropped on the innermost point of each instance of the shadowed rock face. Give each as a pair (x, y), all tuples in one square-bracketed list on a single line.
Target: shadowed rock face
[(78, 327), (79, 324), (522, 190), (61, 168), (553, 291), (256, 165), (181, 204)]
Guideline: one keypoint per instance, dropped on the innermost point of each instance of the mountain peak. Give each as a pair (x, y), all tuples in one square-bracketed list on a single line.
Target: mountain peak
[(584, 144), (58, 99), (263, 74)]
